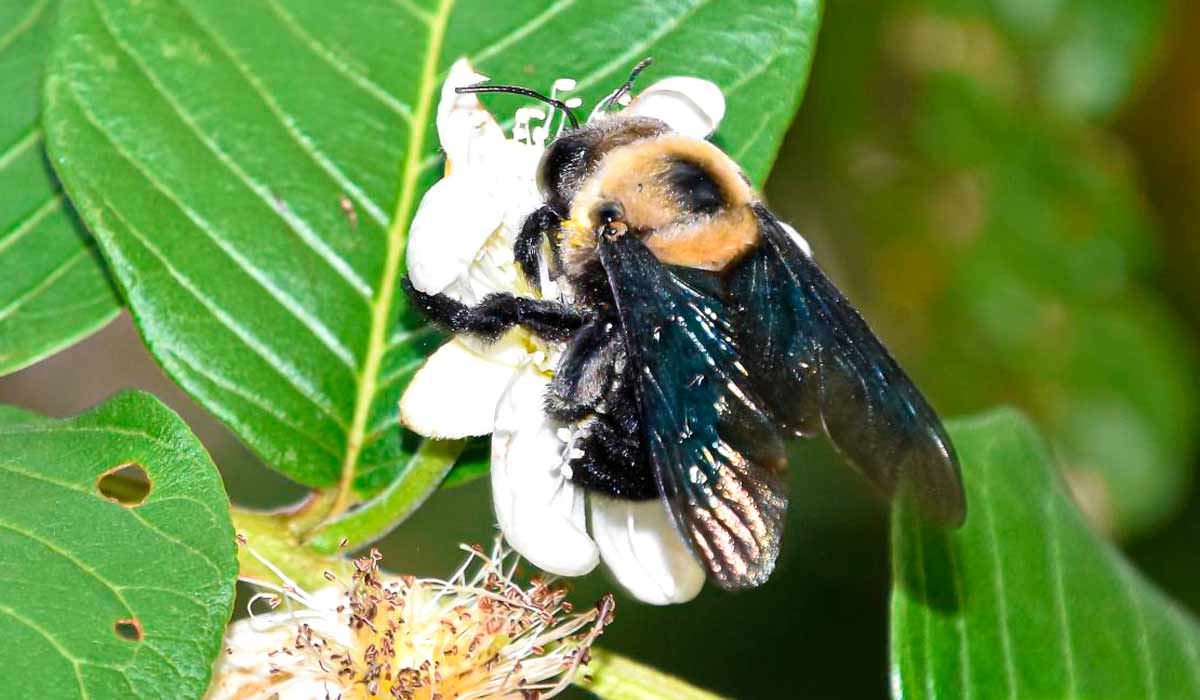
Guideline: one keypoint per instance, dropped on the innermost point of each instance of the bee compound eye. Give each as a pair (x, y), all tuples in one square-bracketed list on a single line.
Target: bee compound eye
[(609, 212)]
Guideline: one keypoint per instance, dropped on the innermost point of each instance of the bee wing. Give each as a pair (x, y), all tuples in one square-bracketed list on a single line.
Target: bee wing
[(718, 458), (818, 366)]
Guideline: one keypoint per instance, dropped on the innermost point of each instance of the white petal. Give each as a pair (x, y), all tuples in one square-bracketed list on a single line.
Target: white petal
[(454, 395), (641, 547), (462, 121), (540, 512), (245, 669), (797, 239), (691, 106), (513, 168), (455, 218)]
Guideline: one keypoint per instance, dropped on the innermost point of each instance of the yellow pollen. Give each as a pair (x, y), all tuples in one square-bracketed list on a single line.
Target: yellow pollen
[(575, 232)]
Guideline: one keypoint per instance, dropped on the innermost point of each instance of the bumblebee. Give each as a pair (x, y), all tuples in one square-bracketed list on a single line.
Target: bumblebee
[(699, 336)]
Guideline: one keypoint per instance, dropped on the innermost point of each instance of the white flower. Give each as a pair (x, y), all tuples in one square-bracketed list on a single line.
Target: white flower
[(461, 244), (477, 635)]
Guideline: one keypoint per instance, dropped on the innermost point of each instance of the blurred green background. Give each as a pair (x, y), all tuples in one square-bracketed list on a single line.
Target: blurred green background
[(1008, 189)]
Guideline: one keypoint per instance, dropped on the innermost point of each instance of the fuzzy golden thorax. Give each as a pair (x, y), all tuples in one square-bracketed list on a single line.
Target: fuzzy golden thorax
[(687, 200)]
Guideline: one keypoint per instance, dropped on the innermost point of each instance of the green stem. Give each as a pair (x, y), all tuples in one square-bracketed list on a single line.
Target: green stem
[(378, 516), (271, 537), (311, 512), (613, 677)]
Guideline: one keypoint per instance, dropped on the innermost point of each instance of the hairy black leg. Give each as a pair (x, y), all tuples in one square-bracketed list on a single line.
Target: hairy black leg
[(585, 372), (528, 248), (497, 313)]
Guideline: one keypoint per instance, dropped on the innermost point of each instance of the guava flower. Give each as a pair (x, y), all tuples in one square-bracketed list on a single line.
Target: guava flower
[(477, 635), (461, 244)]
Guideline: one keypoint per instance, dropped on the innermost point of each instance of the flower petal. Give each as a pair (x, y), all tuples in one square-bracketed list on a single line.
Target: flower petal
[(691, 106), (641, 547), (455, 218), (251, 645), (462, 120), (539, 511), (797, 238), (454, 395)]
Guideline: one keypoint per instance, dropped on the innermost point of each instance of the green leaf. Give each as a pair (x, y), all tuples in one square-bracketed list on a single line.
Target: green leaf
[(614, 677), (54, 290), (109, 599), (250, 170), (474, 463), (1025, 601)]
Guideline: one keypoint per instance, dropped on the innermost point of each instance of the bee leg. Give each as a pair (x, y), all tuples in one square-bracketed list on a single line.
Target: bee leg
[(528, 248), (585, 372), (497, 313)]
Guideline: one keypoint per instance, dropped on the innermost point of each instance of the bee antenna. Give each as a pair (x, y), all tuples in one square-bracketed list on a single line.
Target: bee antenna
[(620, 92), (525, 92)]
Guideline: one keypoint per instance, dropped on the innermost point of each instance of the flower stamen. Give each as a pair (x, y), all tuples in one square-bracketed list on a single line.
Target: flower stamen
[(479, 634)]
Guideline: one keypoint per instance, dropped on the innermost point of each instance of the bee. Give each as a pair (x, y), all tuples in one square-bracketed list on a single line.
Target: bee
[(699, 336)]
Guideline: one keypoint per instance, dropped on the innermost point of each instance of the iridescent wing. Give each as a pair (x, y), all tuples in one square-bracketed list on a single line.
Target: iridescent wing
[(818, 366), (718, 458)]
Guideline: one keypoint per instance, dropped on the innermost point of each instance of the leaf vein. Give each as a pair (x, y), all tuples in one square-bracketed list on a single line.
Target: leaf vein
[(310, 323), (1054, 556), (49, 637), (74, 560), (1183, 627), (282, 368), (960, 623), (998, 586), (355, 75), (307, 235), (382, 317), (1145, 654), (31, 222), (926, 631), (526, 28), (418, 12), (636, 49), (288, 122), (763, 123), (24, 25), (18, 148), (45, 283), (258, 402)]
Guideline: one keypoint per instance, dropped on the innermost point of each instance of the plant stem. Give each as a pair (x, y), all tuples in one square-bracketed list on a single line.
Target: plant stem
[(377, 517), (613, 677), (309, 513), (271, 537)]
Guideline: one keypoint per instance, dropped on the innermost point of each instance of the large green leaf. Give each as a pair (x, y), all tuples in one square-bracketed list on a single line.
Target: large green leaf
[(54, 289), (110, 599), (1025, 601), (250, 170)]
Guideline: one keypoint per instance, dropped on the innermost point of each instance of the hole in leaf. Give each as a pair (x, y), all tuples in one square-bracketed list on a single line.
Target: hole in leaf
[(128, 628), (127, 484)]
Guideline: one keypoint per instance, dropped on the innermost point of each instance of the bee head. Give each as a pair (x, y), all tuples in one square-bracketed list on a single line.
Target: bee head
[(574, 157)]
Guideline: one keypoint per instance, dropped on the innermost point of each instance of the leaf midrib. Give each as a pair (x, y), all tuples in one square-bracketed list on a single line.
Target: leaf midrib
[(24, 25), (382, 306)]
